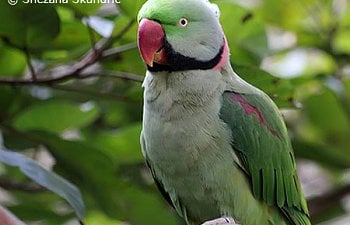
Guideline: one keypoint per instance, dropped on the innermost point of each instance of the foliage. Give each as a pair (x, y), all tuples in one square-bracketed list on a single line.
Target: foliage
[(70, 94), (45, 178)]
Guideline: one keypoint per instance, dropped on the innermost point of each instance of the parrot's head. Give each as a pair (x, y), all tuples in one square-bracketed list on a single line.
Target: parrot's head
[(178, 35)]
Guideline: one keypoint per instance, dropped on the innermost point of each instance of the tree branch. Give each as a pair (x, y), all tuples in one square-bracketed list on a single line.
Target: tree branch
[(46, 80), (118, 50), (120, 75), (65, 77), (75, 71), (20, 186), (95, 54)]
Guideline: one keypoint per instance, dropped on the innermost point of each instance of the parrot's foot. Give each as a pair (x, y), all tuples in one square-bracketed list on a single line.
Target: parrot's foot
[(221, 221)]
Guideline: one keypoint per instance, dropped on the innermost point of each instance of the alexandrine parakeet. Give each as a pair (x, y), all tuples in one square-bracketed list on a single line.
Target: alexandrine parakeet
[(216, 146)]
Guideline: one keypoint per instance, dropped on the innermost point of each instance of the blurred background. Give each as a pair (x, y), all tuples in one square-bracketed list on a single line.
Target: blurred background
[(71, 99)]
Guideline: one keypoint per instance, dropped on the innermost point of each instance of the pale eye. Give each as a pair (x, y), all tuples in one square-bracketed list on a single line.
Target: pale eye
[(183, 22)]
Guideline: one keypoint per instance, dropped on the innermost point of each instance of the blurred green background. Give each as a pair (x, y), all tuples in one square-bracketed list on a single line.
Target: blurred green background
[(71, 99)]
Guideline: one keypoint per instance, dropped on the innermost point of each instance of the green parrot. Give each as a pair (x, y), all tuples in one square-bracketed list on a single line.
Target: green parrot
[(217, 147)]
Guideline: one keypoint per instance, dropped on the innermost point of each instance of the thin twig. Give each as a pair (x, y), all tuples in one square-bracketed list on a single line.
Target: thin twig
[(73, 71), (38, 81), (21, 186), (120, 34), (118, 75), (91, 35), (94, 55), (30, 65), (118, 50), (60, 79)]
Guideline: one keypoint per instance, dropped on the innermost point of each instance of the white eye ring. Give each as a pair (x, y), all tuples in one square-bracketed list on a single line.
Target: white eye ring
[(183, 22)]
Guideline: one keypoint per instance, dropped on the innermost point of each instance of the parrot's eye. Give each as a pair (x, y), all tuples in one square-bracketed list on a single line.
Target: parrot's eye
[(183, 22)]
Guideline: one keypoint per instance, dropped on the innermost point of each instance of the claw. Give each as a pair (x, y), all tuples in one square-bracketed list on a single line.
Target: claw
[(221, 221)]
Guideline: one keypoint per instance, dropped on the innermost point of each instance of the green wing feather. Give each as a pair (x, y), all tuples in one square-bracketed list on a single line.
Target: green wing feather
[(262, 144)]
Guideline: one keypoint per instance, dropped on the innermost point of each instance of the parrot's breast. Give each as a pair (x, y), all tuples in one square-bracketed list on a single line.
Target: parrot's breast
[(189, 146), (181, 121)]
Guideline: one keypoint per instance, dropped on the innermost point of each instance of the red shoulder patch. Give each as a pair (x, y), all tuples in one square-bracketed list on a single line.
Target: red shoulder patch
[(252, 110)]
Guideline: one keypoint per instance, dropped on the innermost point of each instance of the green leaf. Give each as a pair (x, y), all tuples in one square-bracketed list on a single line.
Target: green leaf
[(131, 7), (130, 61), (8, 98), (280, 90), (56, 116), (247, 39), (330, 157), (97, 218), (96, 173), (45, 178), (74, 35), (12, 62), (154, 213), (122, 145), (117, 115), (83, 8), (288, 14), (325, 123), (18, 143), (336, 122), (28, 25), (341, 43), (43, 210), (93, 170)]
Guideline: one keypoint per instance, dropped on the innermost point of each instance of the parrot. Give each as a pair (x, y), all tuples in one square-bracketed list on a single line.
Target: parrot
[(217, 147)]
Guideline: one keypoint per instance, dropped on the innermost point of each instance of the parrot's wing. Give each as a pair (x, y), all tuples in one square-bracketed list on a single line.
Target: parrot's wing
[(160, 187), (261, 142), (158, 183)]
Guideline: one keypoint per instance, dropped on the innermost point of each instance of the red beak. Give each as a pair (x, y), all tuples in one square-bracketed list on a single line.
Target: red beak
[(151, 42)]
